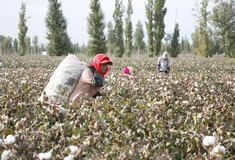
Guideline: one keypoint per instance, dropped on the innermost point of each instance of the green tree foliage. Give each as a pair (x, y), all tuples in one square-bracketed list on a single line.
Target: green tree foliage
[(166, 46), (96, 25), (28, 45), (158, 25), (7, 45), (118, 29), (79, 49), (139, 43), (110, 38), (149, 27), (35, 45), (76, 48), (202, 46), (1, 42), (195, 39), (185, 45), (42, 48), (175, 46), (155, 12), (59, 41), (23, 30), (223, 19), (128, 30), (15, 46)]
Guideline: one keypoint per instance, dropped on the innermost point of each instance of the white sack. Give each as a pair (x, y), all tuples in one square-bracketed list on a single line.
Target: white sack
[(64, 80)]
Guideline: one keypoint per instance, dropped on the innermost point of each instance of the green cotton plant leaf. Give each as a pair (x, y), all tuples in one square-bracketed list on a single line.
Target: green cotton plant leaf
[(81, 133), (8, 132), (132, 103), (99, 119), (230, 140), (111, 124), (76, 131), (25, 87), (116, 113), (219, 84)]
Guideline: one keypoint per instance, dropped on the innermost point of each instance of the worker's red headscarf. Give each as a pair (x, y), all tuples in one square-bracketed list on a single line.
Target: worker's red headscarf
[(99, 59)]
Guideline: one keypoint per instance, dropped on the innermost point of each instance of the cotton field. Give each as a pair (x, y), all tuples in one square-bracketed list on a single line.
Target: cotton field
[(188, 114)]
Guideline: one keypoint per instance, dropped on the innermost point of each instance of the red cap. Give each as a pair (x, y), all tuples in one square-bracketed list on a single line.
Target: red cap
[(106, 61)]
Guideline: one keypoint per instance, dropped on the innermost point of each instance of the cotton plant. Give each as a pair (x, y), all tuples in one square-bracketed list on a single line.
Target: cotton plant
[(69, 157), (73, 150), (5, 155), (10, 139), (209, 142), (45, 156)]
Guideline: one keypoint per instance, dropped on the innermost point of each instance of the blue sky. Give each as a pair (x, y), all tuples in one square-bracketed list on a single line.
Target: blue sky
[(76, 12)]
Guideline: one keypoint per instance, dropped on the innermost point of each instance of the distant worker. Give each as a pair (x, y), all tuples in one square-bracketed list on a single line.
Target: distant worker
[(163, 64), (129, 70)]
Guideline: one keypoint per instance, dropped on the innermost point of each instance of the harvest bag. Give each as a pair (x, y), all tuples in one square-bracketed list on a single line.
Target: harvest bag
[(64, 80)]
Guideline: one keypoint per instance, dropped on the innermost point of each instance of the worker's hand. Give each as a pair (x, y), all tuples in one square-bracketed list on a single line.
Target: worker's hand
[(97, 79)]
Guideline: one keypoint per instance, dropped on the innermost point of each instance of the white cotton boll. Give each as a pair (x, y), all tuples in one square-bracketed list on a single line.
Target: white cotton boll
[(108, 88), (205, 142), (70, 157), (149, 104), (196, 90), (228, 82), (185, 102), (199, 115), (209, 140), (5, 117), (73, 149), (5, 155), (10, 139), (23, 81), (219, 149), (196, 84), (43, 156), (48, 155), (199, 97)]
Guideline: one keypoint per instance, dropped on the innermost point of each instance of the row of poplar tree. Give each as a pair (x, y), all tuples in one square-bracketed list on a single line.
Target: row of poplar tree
[(215, 32)]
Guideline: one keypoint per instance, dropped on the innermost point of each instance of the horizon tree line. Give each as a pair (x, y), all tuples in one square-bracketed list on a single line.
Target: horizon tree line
[(212, 34)]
